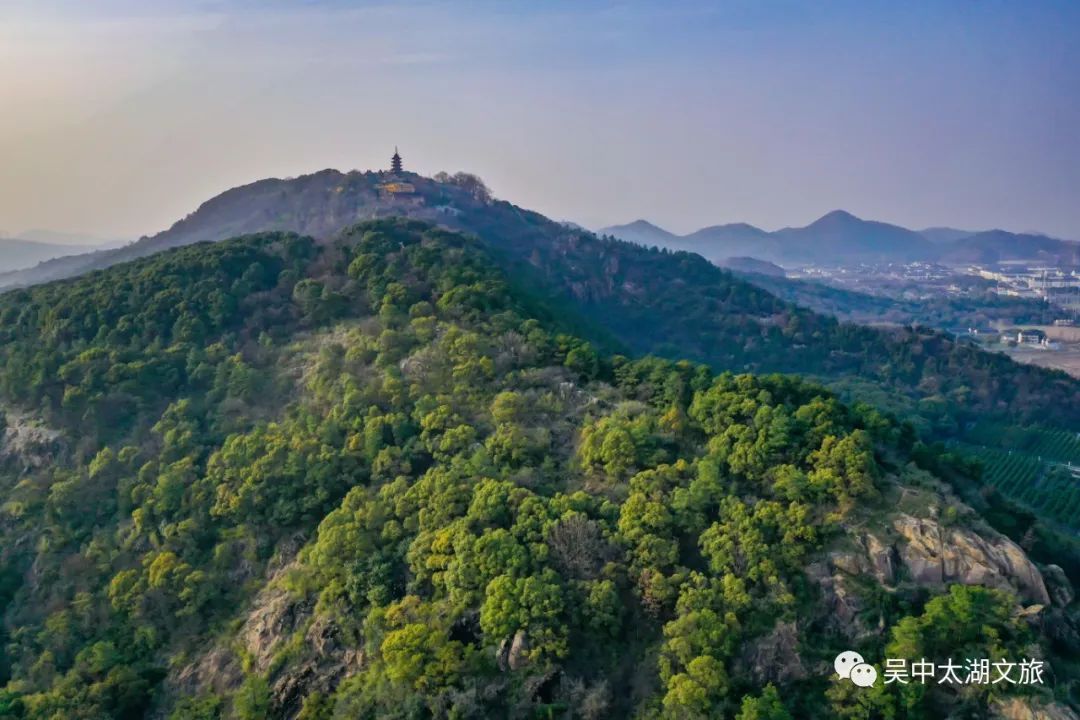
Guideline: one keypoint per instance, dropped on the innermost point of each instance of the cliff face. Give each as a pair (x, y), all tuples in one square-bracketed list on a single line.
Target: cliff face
[(934, 555), (907, 550)]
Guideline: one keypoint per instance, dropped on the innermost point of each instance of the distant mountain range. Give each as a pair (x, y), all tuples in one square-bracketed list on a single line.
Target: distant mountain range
[(75, 239), (841, 238), (23, 253), (17, 254), (837, 238), (32, 247)]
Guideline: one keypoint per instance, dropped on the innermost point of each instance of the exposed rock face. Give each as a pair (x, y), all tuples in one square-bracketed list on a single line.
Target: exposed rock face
[(1058, 585), (217, 671), (325, 660), (775, 657), (853, 563), (1019, 709), (883, 559), (272, 621), (934, 555), (513, 653), (27, 444), (322, 661), (518, 655), (873, 558), (843, 606)]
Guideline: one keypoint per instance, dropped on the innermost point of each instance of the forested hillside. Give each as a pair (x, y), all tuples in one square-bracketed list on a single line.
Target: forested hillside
[(628, 298), (378, 477)]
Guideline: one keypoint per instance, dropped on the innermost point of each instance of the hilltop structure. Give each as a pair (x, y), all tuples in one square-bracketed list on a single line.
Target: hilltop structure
[(397, 189)]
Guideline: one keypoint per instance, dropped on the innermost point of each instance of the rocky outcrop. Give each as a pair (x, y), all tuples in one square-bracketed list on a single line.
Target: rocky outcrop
[(1027, 709), (872, 557), (935, 556), (217, 671), (321, 660), (1058, 585), (273, 620), (842, 605), (318, 656), (513, 653), (926, 553), (775, 657), (883, 559), (27, 444)]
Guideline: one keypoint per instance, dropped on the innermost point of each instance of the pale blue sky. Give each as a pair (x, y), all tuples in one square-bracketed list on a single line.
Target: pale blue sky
[(119, 117)]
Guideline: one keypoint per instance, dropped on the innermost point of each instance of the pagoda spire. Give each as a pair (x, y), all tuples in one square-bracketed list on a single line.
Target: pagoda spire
[(395, 162)]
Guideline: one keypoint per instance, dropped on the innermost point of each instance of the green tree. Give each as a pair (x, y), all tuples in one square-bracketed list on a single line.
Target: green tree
[(766, 706)]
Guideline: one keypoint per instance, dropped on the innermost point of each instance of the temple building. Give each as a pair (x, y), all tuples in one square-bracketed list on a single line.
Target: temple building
[(396, 189)]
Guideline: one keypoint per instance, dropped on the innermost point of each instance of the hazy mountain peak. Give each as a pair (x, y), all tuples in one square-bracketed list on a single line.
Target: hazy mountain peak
[(836, 217), (738, 227), (639, 225), (945, 234), (643, 223), (642, 232)]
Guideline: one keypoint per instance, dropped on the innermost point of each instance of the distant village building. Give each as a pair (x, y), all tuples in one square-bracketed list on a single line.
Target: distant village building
[(1051, 284), (448, 210), (1031, 337), (1025, 337), (396, 188)]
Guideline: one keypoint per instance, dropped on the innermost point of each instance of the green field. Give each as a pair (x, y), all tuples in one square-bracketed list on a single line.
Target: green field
[(1035, 478), (1058, 446)]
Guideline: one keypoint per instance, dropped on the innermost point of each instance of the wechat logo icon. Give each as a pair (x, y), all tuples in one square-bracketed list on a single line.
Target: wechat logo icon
[(850, 665)]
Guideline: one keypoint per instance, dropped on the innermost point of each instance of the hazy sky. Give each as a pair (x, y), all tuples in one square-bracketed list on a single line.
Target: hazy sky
[(118, 117)]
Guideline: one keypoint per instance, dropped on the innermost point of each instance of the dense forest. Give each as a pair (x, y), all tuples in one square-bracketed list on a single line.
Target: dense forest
[(679, 305), (635, 300), (381, 476)]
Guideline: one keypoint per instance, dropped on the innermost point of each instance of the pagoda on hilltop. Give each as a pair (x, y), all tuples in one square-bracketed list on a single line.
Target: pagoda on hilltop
[(397, 189)]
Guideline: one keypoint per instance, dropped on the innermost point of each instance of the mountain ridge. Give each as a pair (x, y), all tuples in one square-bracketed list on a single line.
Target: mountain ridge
[(73, 239), (18, 254), (841, 234), (628, 298)]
